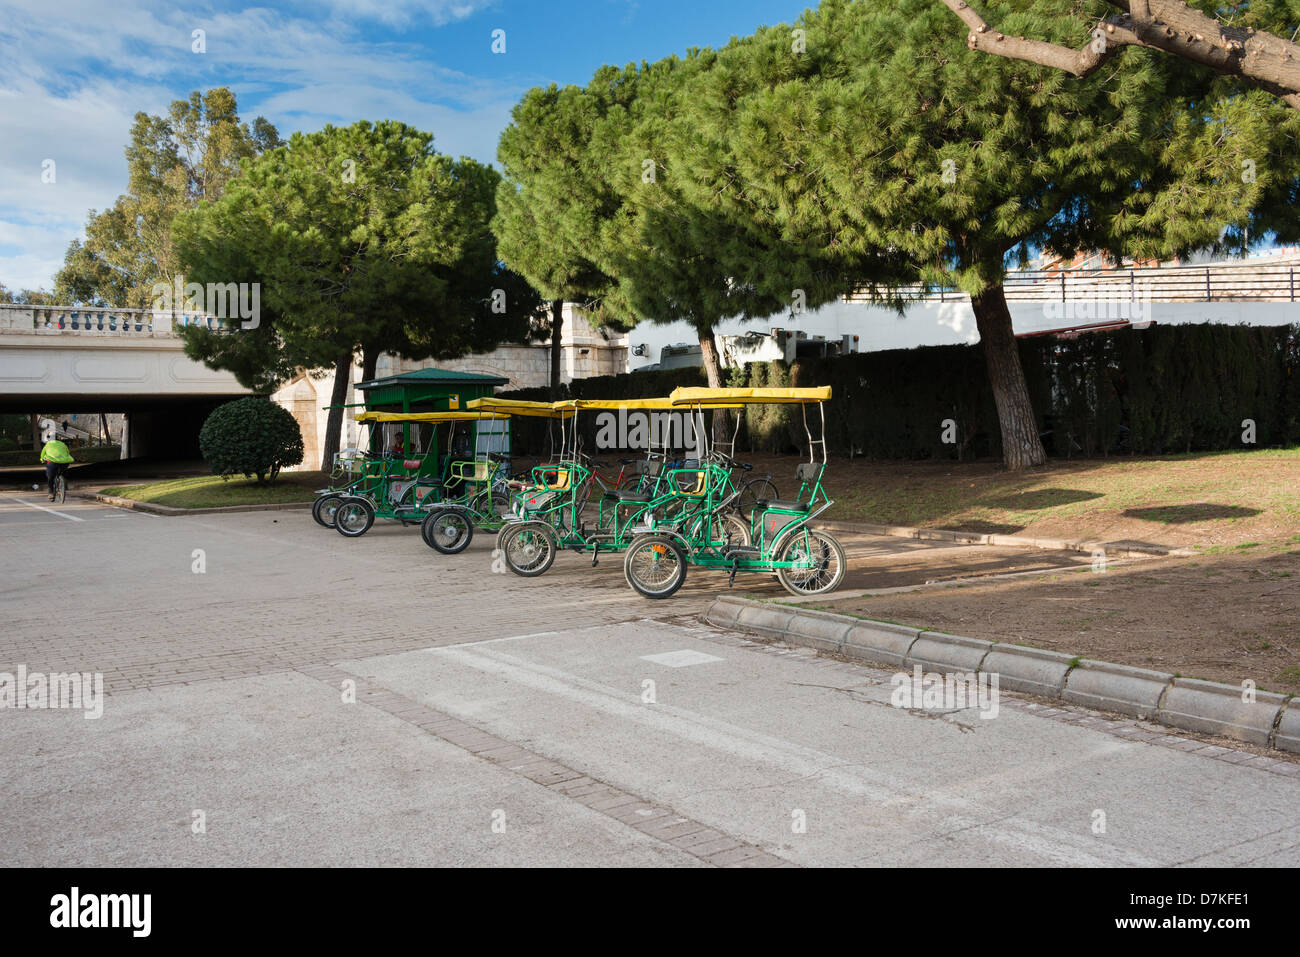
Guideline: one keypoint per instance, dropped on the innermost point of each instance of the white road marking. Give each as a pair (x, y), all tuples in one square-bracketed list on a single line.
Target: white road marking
[(71, 518), (493, 641), (1053, 845), (681, 659)]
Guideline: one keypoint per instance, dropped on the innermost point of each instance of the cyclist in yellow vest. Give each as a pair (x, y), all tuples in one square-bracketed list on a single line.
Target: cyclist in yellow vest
[(56, 458)]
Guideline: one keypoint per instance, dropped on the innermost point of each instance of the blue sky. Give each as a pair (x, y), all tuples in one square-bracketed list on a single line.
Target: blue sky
[(73, 75)]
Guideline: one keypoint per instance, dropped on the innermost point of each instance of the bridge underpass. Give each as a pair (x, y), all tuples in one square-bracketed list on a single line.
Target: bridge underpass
[(63, 359)]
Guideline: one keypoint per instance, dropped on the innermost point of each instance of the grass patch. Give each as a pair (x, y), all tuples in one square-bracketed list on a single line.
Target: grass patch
[(1245, 498), (211, 491)]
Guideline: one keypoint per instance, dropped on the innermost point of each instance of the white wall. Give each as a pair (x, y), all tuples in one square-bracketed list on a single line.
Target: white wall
[(945, 323)]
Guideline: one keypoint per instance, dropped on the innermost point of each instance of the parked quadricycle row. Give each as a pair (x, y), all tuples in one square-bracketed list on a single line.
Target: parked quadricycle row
[(662, 513)]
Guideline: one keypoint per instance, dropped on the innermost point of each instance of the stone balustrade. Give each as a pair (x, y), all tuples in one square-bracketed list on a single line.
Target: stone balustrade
[(99, 321)]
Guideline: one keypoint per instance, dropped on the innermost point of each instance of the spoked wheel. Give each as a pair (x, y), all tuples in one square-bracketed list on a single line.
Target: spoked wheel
[(730, 528), (447, 531), (822, 554), (323, 509), (529, 548), (354, 517), (753, 491), (655, 566)]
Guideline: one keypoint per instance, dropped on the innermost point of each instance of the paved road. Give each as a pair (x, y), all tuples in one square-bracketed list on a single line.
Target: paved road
[(315, 700)]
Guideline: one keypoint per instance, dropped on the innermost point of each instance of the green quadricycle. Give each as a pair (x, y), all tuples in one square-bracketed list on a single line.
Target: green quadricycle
[(557, 512), (780, 540), (406, 484)]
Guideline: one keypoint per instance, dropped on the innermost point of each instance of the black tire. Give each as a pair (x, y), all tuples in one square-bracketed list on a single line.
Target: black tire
[(354, 517), (60, 488), (827, 571), (323, 509), (447, 530), (529, 548), (655, 566), (755, 489)]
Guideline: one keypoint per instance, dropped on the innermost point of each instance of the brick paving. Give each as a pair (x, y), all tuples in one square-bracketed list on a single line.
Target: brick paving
[(699, 840)]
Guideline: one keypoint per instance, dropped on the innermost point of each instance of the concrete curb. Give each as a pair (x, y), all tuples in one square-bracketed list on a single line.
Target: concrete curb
[(1287, 735), (1030, 670), (1271, 720), (1107, 686), (1012, 541), (935, 651), (168, 510), (1219, 709)]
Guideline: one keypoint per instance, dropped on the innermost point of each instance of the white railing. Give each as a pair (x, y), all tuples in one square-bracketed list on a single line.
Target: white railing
[(1252, 281), (97, 321)]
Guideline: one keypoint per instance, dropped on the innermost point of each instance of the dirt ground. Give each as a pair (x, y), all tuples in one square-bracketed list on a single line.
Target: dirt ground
[(1223, 617)]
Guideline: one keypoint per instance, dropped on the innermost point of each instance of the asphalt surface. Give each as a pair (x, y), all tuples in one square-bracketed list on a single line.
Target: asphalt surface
[(277, 694)]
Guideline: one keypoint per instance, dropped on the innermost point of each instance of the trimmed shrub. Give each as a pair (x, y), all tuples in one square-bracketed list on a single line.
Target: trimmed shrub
[(252, 437)]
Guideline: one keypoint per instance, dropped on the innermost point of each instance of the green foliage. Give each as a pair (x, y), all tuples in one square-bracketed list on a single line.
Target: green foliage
[(361, 238), (251, 436), (174, 163), (26, 297)]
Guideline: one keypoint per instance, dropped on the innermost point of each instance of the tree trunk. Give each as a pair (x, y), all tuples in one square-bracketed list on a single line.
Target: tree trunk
[(1021, 448), (334, 424), (713, 375), (557, 327), (369, 362)]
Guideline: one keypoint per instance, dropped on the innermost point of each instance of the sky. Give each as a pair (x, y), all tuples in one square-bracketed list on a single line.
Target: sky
[(73, 73)]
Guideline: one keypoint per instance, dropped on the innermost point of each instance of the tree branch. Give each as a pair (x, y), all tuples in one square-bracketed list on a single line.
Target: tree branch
[(1268, 62), (1108, 36)]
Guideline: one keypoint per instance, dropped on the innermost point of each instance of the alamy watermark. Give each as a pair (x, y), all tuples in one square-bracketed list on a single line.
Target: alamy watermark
[(930, 691), (224, 300), (633, 429), (1131, 302), (81, 691)]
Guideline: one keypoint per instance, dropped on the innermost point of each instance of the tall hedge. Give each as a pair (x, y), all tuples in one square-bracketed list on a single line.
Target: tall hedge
[(1163, 389)]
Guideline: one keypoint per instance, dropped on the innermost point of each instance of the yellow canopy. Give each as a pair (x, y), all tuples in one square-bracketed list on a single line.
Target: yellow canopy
[(426, 416), (508, 407), (660, 403), (720, 398)]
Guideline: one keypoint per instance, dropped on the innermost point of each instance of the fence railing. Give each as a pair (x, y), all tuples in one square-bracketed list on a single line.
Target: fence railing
[(100, 321), (1220, 282)]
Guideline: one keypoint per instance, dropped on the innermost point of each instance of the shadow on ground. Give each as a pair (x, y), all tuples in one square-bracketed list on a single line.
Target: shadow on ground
[(1192, 512)]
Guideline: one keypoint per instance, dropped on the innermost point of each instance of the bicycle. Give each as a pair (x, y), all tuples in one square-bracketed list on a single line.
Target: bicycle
[(60, 488)]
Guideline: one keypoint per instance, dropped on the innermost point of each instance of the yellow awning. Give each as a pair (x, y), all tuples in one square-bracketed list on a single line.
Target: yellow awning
[(614, 404), (426, 416), (720, 398), (508, 407)]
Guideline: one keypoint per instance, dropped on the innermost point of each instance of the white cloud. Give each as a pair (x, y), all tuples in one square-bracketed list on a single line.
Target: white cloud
[(71, 83)]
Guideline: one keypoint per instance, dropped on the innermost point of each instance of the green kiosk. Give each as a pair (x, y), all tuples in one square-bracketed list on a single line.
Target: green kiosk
[(434, 390)]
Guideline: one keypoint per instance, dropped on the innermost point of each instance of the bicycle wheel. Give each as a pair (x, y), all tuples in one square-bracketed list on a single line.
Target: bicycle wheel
[(529, 548), (447, 531), (825, 561), (755, 489), (730, 528), (655, 566), (323, 509), (354, 518)]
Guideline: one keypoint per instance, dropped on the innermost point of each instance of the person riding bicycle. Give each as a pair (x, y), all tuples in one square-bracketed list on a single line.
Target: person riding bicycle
[(56, 458)]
